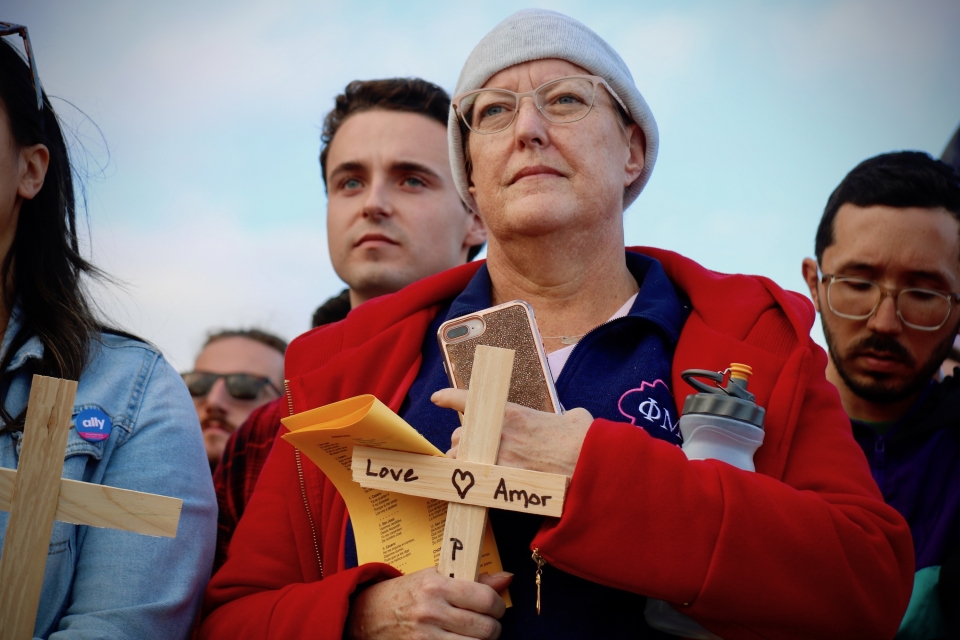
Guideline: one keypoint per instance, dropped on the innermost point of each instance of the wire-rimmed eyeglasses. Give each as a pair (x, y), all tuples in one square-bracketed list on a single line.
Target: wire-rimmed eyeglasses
[(9, 29), (917, 308), (563, 100)]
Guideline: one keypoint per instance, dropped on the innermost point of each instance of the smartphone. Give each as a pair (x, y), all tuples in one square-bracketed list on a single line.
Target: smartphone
[(510, 326)]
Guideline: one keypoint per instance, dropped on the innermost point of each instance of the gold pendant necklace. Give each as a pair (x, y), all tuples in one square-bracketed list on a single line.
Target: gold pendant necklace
[(564, 339)]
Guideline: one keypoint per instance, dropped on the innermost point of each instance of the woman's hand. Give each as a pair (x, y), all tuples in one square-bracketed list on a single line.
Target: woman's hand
[(531, 439), (427, 605)]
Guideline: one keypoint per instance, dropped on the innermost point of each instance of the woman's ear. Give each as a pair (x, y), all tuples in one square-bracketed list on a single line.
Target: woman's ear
[(34, 161), (637, 148), (476, 231)]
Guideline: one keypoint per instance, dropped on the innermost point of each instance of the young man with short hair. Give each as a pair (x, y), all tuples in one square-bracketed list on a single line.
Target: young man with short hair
[(886, 282), (393, 217)]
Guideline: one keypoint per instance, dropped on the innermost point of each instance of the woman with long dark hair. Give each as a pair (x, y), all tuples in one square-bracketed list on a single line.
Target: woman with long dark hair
[(98, 582)]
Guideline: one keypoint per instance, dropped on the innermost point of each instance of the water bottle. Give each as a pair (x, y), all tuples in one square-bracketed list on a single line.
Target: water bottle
[(719, 423)]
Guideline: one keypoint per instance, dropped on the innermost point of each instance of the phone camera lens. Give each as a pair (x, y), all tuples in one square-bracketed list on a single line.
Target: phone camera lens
[(457, 332)]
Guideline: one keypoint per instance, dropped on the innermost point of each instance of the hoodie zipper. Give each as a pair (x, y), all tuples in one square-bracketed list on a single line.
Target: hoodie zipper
[(536, 557), (540, 562), (303, 484)]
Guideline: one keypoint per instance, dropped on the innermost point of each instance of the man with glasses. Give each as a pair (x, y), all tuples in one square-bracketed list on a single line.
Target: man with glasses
[(886, 282), (236, 372)]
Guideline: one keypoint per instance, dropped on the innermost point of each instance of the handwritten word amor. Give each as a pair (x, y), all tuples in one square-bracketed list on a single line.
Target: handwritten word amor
[(528, 499)]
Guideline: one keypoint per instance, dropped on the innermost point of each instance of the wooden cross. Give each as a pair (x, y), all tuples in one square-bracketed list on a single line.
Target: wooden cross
[(36, 495), (472, 482)]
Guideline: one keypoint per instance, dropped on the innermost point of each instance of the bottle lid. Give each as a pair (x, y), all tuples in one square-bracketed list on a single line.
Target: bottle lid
[(731, 401)]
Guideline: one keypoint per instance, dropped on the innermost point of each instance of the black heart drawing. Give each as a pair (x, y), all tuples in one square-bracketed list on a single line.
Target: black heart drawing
[(464, 475)]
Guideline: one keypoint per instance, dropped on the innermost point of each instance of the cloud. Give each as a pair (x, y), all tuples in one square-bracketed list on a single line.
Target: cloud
[(881, 37), (212, 209), (205, 272), (662, 44)]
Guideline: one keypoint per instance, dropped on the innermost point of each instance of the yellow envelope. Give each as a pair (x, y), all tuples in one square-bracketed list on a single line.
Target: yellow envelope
[(403, 531)]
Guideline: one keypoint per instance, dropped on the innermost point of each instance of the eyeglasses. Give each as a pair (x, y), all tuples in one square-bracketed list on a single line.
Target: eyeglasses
[(858, 299), (563, 100), (241, 386), (9, 29)]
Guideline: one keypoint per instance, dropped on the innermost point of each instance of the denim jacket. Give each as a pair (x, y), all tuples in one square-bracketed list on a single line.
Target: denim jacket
[(104, 583)]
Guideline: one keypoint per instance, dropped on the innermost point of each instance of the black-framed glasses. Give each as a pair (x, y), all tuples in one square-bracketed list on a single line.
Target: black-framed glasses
[(563, 100), (917, 308), (10, 29), (240, 386)]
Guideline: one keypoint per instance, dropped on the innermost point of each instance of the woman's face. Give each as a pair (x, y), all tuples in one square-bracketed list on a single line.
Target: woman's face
[(22, 170), (537, 177), (9, 174)]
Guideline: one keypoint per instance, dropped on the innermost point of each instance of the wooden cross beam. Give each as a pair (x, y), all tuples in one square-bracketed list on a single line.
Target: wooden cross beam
[(472, 482), (36, 495)]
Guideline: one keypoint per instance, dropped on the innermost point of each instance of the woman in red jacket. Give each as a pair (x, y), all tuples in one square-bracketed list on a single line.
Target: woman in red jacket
[(550, 142)]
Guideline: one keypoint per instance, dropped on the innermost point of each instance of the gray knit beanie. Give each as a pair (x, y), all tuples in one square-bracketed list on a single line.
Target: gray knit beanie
[(537, 34)]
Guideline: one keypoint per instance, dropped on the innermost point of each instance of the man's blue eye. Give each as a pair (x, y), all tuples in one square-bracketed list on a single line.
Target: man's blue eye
[(413, 182), (352, 183)]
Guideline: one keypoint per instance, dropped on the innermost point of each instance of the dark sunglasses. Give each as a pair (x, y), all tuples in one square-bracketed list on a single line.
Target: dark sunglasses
[(10, 29), (241, 386)]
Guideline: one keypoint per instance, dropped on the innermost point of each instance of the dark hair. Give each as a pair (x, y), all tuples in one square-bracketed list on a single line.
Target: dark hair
[(410, 95), (43, 267), (951, 154), (333, 310), (900, 179), (256, 335)]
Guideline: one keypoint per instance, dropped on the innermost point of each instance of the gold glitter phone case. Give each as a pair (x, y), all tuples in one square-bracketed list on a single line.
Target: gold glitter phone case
[(509, 326)]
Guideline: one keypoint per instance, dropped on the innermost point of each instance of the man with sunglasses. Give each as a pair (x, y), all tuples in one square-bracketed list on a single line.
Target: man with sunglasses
[(886, 282), (236, 372)]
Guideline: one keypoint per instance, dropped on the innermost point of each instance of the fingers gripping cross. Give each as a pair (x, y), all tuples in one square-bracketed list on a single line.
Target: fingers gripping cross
[(472, 482)]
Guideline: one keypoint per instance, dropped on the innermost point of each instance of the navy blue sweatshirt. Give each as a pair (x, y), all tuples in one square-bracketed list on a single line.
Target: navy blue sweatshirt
[(619, 371)]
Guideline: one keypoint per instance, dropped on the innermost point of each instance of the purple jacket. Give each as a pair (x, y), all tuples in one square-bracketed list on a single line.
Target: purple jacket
[(916, 464)]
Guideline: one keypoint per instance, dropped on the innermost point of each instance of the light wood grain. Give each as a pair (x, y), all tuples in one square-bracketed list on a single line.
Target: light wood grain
[(100, 506), (35, 494), (484, 485), (486, 402), (479, 442)]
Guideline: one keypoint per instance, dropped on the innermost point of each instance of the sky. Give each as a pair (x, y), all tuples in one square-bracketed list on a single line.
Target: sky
[(195, 127)]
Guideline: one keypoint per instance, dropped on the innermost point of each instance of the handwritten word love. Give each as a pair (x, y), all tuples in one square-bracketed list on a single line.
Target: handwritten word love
[(395, 474)]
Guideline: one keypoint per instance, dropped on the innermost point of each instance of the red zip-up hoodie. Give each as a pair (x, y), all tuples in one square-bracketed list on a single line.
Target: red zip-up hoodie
[(803, 548)]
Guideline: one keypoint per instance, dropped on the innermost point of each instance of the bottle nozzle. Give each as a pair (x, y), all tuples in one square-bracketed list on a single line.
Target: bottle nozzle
[(741, 371), (739, 377)]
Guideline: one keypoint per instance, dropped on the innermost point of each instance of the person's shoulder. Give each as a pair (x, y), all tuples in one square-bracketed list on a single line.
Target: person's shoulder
[(333, 310), (112, 343), (940, 407), (746, 307), (263, 422), (129, 374), (311, 349), (114, 354)]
